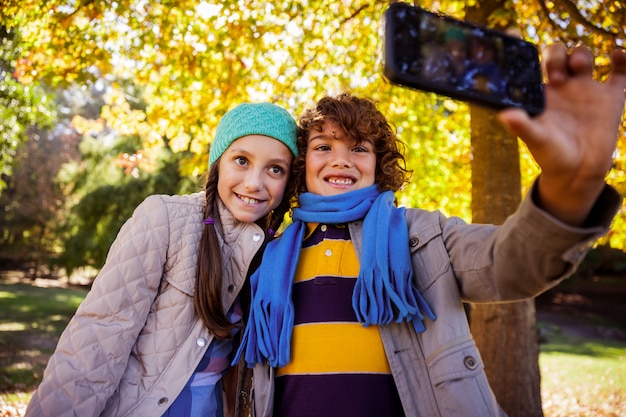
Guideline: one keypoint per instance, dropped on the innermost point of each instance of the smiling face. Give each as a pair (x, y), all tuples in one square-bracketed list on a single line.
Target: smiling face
[(336, 163), (253, 173)]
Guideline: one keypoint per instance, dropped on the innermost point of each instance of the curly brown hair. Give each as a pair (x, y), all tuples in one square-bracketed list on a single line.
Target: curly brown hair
[(361, 120)]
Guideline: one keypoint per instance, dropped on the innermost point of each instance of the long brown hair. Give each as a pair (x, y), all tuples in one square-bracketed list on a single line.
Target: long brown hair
[(207, 296)]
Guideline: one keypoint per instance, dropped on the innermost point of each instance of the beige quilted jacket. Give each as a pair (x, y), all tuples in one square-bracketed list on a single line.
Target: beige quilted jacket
[(135, 340)]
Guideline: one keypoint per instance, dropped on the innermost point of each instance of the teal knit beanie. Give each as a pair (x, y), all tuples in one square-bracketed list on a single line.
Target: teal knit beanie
[(254, 119)]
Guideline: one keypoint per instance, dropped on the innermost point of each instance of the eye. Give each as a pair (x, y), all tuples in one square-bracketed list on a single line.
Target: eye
[(240, 160), (322, 148), (360, 148), (277, 170)]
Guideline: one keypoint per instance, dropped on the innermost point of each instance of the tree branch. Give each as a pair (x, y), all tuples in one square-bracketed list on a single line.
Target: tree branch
[(578, 17), (551, 22)]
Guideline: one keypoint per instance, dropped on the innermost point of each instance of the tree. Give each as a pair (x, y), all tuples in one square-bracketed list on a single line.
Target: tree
[(192, 60), (21, 107), (495, 195), (505, 334), (106, 204), (109, 179), (186, 79), (31, 200), (600, 26)]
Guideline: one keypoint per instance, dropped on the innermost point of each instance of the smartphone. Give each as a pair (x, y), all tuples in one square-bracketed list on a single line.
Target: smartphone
[(433, 52)]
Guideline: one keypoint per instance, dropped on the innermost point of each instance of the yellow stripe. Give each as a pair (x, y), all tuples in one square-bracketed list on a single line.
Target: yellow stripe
[(336, 348), (315, 262)]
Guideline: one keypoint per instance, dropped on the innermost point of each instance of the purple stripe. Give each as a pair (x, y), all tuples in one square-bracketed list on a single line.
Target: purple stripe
[(332, 232), (337, 395), (324, 299)]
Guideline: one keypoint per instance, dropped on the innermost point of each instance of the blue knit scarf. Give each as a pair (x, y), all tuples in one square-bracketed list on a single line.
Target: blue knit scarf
[(384, 291)]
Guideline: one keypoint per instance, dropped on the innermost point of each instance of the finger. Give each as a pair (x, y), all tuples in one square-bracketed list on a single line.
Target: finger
[(619, 61), (618, 73), (580, 61), (555, 63)]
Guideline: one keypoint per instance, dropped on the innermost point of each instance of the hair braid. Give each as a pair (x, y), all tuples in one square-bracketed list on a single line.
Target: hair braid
[(208, 292)]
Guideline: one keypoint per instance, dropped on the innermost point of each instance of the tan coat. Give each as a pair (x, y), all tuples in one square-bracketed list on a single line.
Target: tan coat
[(440, 372), (135, 340)]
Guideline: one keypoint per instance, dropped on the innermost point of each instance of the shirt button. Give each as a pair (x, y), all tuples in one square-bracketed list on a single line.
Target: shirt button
[(323, 228), (163, 401), (201, 341), (231, 288), (256, 237), (328, 252), (470, 362)]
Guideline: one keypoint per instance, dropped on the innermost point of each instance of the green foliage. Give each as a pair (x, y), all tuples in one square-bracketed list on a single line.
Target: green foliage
[(21, 106), (31, 200), (104, 195)]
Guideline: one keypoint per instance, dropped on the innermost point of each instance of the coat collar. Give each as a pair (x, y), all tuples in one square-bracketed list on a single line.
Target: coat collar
[(232, 229)]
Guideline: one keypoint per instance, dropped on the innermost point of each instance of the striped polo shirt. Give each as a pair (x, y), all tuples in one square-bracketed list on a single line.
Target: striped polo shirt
[(338, 367)]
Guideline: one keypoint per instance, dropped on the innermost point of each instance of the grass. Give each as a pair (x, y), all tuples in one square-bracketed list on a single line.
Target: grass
[(581, 377), (31, 320)]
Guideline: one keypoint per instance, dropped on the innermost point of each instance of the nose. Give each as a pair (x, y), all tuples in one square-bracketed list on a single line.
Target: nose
[(341, 158), (254, 180)]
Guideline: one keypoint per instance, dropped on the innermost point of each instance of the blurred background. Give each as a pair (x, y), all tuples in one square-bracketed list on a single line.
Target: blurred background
[(104, 103)]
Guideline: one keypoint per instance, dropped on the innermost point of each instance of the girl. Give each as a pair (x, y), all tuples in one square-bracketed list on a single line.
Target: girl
[(154, 334)]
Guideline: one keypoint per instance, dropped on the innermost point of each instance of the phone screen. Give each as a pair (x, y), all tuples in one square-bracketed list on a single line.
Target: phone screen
[(437, 53)]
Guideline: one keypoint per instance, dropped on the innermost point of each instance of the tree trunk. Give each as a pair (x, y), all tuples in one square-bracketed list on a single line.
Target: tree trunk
[(505, 333)]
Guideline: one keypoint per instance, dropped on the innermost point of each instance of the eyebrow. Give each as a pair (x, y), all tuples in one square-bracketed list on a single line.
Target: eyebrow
[(247, 153), (279, 161), (322, 136), (237, 150)]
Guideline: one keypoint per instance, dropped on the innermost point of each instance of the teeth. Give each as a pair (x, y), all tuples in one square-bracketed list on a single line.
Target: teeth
[(248, 200), (340, 181)]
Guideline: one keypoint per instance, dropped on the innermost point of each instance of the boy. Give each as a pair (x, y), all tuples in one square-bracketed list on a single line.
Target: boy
[(366, 317)]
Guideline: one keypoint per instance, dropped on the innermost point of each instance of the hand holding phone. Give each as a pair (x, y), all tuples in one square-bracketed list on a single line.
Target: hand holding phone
[(434, 52)]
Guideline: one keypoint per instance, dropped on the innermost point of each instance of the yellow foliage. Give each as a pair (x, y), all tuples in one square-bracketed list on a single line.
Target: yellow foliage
[(87, 126), (193, 60)]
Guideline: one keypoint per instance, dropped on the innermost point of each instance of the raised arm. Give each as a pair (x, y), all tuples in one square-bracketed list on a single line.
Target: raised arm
[(573, 140)]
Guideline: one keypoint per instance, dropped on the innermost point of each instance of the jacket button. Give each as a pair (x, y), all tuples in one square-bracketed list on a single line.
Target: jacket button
[(201, 341), (162, 401), (470, 362), (413, 242), (231, 288), (256, 237)]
